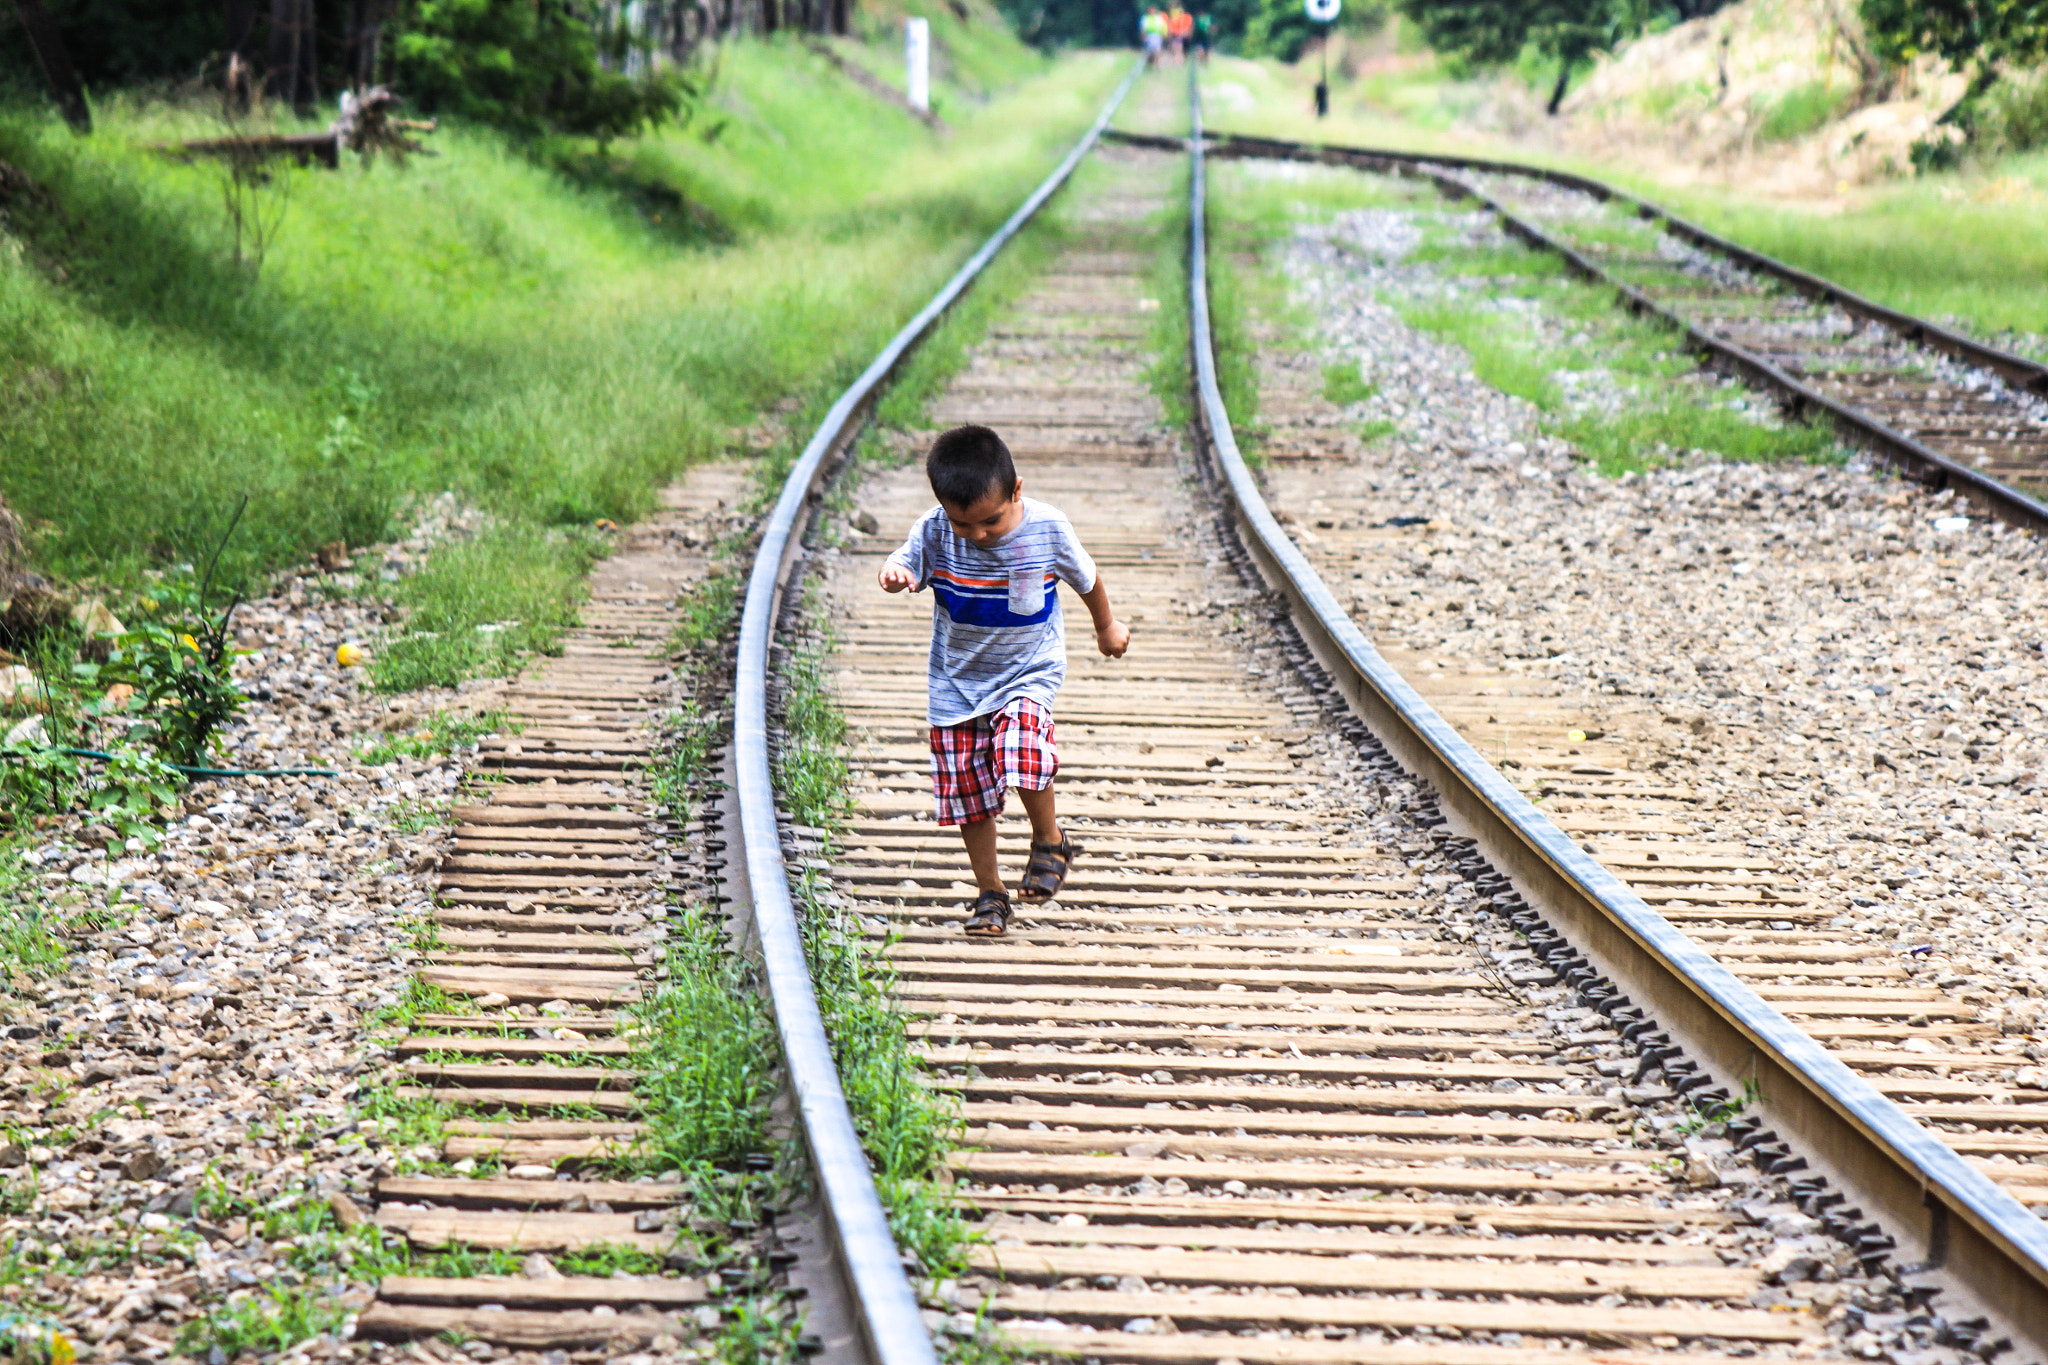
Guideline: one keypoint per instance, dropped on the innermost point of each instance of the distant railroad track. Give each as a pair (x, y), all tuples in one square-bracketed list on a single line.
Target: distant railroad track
[(1946, 410)]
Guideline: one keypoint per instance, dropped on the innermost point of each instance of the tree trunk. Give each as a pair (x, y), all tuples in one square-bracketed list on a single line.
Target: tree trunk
[(239, 20), (1564, 79), (309, 59), (55, 59), (366, 39), (294, 74), (280, 79), (842, 20)]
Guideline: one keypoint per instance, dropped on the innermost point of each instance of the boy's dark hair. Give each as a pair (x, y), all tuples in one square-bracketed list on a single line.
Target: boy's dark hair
[(967, 464)]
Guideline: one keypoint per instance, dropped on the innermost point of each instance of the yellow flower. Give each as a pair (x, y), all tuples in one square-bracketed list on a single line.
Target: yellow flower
[(348, 656), (189, 643), (62, 1352)]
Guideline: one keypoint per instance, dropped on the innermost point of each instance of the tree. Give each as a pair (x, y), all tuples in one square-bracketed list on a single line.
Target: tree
[(1487, 32), (1978, 36), (55, 59)]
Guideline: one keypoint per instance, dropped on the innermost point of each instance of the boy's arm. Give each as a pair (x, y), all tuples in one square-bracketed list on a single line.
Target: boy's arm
[(1076, 567), (1112, 636), (904, 568)]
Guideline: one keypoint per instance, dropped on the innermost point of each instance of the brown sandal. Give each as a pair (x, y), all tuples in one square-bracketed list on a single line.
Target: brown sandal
[(1046, 871), (990, 915)]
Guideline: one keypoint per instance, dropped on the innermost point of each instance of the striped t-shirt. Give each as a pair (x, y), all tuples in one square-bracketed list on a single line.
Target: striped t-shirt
[(997, 633)]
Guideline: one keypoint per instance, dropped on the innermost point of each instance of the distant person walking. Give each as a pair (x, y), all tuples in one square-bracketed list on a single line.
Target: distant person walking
[(1179, 26), (1204, 35), (1152, 34)]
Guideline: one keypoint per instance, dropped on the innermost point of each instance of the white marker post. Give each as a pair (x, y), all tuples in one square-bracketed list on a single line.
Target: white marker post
[(917, 56)]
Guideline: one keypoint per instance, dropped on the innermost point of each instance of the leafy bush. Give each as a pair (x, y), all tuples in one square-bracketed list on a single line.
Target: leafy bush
[(444, 734), (1981, 39), (36, 780), (2015, 116), (530, 69), (181, 668)]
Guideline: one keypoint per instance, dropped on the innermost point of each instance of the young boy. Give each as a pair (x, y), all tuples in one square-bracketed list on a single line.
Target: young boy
[(994, 559)]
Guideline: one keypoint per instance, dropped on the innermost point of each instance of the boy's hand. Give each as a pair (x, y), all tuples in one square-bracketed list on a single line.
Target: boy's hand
[(1113, 639), (895, 578)]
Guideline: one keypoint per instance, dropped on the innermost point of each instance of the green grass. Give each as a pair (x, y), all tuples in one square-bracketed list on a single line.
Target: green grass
[(1343, 386), (1964, 246), (29, 942), (707, 1051), (1659, 433), (1499, 359), (480, 605), (475, 322), (1801, 110), (442, 735), (272, 1318), (905, 1126), (1660, 421)]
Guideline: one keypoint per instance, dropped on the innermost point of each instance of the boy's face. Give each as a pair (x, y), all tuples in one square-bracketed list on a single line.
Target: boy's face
[(989, 520)]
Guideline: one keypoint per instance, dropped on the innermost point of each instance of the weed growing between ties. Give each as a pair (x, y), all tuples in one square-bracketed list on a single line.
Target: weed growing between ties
[(905, 1126), (1232, 302), (479, 606), (704, 1041), (440, 736)]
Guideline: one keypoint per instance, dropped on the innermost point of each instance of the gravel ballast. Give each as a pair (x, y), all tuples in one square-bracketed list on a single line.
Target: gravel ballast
[(1846, 671)]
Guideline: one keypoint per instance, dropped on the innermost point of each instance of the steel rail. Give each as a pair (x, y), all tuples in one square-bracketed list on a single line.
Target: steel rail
[(1914, 458), (1964, 1232), (891, 1325)]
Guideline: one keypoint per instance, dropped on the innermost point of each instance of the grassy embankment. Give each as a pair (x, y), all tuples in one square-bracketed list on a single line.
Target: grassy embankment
[(549, 344), (1963, 245), (472, 321)]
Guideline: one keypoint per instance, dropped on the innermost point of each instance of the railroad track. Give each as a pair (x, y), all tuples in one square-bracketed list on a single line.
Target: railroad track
[(1317, 1060), (1943, 408), (1236, 1018), (549, 920), (1334, 1049)]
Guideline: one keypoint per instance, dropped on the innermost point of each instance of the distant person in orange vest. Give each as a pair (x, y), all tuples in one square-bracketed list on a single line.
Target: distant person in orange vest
[(1179, 25)]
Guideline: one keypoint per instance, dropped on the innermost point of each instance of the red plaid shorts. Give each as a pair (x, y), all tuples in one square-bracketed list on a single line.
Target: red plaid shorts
[(975, 762)]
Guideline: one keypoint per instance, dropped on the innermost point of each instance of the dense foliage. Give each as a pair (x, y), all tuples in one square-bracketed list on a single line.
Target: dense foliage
[(1490, 32), (528, 66), (1279, 28), (1982, 37)]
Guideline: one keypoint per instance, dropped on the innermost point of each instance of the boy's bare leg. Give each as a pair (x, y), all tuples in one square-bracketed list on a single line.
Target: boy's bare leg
[(980, 838), (1045, 826)]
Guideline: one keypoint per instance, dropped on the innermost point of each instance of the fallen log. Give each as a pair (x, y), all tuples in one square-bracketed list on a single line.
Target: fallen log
[(365, 127)]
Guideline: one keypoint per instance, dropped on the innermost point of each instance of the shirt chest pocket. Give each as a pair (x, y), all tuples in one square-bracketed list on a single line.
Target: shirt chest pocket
[(1027, 591)]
